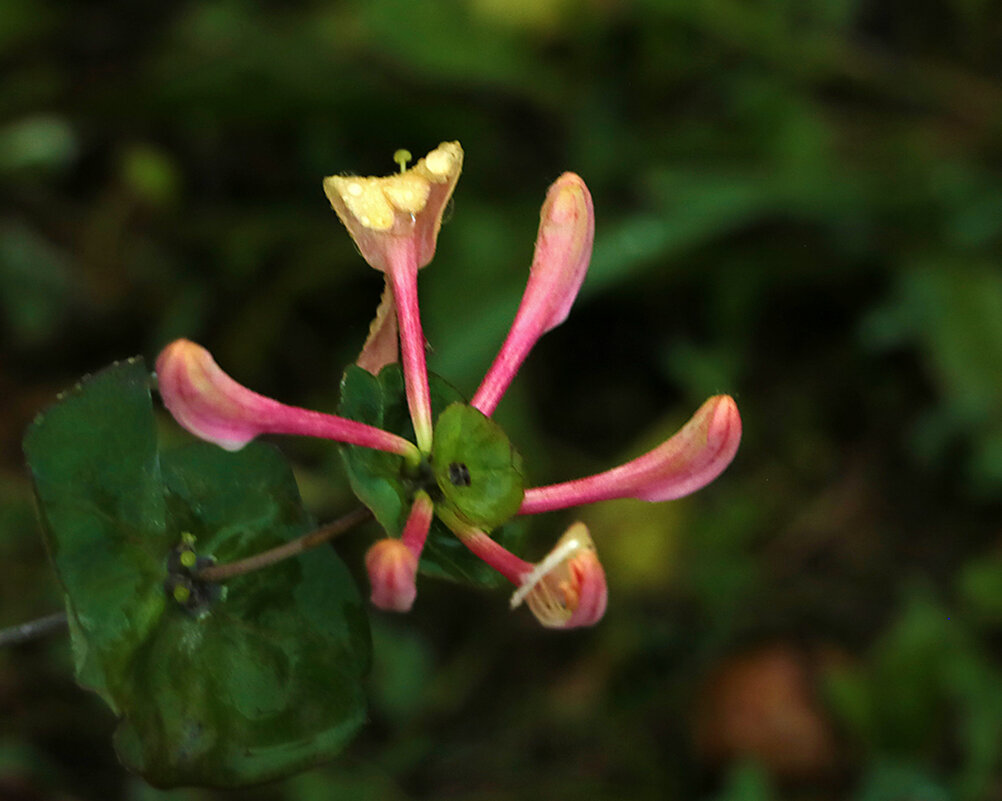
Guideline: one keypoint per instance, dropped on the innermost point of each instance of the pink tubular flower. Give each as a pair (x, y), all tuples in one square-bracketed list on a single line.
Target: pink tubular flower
[(563, 250), (392, 572), (564, 590), (567, 588), (688, 461), (395, 223), (211, 405), (392, 563), (398, 211)]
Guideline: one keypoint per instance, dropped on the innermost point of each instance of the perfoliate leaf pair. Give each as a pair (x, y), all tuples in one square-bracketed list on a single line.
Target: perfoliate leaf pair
[(378, 479), (265, 678)]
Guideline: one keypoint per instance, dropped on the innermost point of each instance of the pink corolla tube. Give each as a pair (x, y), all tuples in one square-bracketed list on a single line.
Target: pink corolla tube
[(559, 265), (211, 405)]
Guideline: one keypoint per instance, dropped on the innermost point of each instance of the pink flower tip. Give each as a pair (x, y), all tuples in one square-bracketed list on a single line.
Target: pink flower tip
[(567, 589), (397, 211), (694, 456), (203, 399), (686, 462), (563, 250), (211, 405), (559, 264), (392, 569)]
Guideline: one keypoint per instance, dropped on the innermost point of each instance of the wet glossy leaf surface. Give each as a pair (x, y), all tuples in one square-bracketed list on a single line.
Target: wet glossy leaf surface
[(266, 680), (376, 477)]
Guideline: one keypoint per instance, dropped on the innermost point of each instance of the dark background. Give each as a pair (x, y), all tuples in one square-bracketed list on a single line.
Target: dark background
[(798, 202)]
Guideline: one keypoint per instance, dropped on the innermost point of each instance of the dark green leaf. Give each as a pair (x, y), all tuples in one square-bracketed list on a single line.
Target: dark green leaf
[(93, 457), (266, 680), (374, 475)]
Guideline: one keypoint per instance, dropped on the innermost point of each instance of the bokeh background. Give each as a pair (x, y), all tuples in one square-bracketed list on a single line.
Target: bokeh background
[(798, 202)]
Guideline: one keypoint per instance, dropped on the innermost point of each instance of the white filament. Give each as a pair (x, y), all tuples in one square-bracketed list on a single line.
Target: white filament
[(543, 568)]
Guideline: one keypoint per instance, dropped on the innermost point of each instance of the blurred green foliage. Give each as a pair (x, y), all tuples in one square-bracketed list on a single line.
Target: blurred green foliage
[(798, 202)]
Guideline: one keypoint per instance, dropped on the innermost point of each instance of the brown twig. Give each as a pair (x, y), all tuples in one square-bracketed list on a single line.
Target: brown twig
[(284, 551), (33, 629)]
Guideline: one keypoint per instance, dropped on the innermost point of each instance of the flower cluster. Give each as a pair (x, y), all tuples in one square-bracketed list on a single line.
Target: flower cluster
[(395, 221)]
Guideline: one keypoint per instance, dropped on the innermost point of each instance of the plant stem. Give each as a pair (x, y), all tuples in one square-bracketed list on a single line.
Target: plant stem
[(284, 551), (33, 629)]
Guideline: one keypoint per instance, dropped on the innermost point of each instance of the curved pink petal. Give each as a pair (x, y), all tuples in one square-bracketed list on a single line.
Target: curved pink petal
[(593, 596), (563, 251), (381, 347), (211, 405), (688, 461), (567, 589)]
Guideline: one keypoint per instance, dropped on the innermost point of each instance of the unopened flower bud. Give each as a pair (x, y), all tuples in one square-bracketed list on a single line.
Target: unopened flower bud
[(686, 462), (203, 399), (207, 402), (392, 569), (563, 251), (694, 456), (566, 589)]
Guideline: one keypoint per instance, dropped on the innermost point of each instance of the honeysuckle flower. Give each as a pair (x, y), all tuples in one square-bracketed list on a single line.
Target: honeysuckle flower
[(563, 250), (564, 590), (395, 222), (686, 462), (567, 588), (212, 406), (400, 212), (392, 572), (392, 563)]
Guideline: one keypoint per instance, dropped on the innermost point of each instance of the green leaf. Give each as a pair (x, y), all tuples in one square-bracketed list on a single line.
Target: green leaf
[(266, 679), (93, 457), (378, 479), (375, 476), (476, 468)]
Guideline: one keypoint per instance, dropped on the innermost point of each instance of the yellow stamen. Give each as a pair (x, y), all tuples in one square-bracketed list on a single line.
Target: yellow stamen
[(401, 157)]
